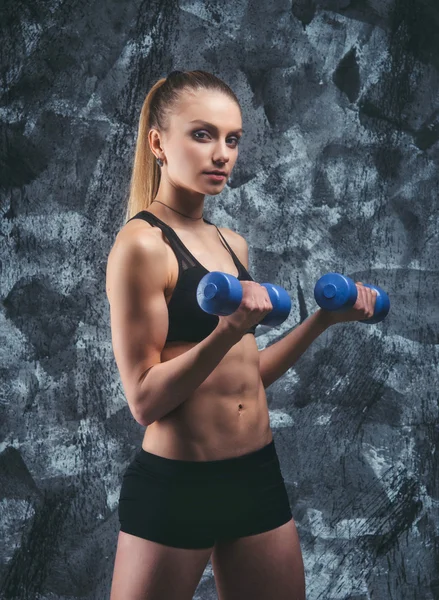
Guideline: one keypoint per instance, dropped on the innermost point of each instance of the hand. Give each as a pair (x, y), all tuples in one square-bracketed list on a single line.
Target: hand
[(363, 308), (255, 305)]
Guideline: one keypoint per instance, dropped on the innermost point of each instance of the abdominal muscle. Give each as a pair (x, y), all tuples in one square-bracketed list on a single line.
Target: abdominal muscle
[(226, 416)]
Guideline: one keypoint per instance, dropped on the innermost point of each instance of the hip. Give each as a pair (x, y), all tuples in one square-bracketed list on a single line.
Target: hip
[(191, 504), (219, 480)]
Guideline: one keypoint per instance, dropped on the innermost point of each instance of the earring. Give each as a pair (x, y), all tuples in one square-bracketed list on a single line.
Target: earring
[(159, 162)]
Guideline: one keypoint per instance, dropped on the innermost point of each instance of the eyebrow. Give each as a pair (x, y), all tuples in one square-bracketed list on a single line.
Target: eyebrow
[(207, 124)]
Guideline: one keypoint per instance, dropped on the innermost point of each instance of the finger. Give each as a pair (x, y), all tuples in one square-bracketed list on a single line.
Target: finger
[(266, 295), (364, 300), (360, 295), (267, 303), (369, 301), (371, 296)]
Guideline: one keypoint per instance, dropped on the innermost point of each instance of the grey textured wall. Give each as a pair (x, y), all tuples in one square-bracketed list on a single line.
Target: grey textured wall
[(338, 171)]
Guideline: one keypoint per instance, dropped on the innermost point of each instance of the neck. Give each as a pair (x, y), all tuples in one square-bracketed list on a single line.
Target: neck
[(178, 214)]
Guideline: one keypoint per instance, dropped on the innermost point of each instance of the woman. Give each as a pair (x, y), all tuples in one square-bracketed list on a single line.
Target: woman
[(206, 482)]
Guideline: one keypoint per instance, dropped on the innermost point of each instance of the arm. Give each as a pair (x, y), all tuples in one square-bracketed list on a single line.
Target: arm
[(170, 383), (279, 357), (136, 284), (276, 359)]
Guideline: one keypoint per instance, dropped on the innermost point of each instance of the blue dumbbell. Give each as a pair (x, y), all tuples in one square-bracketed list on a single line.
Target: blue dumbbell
[(337, 292), (220, 294)]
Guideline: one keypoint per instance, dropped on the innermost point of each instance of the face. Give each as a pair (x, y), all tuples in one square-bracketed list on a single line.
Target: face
[(203, 135)]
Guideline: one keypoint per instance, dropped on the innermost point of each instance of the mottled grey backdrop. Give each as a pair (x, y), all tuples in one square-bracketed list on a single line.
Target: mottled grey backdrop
[(338, 171)]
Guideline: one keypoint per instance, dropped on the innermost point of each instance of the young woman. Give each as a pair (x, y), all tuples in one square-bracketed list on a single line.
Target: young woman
[(206, 482)]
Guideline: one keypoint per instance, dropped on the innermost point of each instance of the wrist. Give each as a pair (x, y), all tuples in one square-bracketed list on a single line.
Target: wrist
[(226, 330), (324, 318)]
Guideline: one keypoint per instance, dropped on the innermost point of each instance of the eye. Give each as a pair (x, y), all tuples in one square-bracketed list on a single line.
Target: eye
[(233, 137)]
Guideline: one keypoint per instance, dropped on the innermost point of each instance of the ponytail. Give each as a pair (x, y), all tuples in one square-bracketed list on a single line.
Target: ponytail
[(161, 100)]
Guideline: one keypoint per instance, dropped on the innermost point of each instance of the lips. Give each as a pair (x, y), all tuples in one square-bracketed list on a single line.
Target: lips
[(215, 177), (216, 173)]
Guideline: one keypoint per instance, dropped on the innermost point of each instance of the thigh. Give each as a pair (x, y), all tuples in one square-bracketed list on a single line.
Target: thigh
[(260, 567), (144, 569)]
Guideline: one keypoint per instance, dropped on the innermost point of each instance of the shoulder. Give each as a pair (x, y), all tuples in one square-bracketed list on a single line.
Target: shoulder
[(238, 244), (139, 233), (137, 244)]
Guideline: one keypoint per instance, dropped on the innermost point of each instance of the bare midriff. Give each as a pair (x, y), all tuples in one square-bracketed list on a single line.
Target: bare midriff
[(226, 416)]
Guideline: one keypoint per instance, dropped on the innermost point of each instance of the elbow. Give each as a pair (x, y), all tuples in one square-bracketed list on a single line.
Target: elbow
[(138, 411), (141, 404), (140, 418)]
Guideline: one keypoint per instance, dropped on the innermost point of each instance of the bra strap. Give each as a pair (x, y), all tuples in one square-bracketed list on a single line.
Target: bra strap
[(153, 220), (228, 246)]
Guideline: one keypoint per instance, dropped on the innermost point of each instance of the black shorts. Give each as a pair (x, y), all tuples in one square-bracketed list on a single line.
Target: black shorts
[(191, 504)]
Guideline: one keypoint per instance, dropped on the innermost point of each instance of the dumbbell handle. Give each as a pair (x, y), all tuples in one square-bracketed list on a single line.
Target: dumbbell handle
[(336, 292), (221, 293)]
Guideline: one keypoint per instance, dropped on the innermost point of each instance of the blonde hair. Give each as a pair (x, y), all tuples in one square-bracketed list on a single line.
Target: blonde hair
[(161, 100)]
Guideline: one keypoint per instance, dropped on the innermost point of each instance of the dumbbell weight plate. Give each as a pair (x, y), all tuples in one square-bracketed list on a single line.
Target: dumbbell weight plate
[(219, 293)]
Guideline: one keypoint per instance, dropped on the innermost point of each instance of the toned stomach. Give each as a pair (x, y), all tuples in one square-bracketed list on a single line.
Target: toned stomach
[(227, 415)]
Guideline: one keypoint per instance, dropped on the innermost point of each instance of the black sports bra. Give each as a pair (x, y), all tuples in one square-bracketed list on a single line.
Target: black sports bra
[(187, 321)]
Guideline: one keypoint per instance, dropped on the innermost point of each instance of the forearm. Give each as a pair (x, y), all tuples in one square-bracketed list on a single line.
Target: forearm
[(276, 359), (170, 383)]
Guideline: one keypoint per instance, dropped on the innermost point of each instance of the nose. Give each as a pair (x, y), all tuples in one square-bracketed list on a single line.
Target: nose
[(222, 156)]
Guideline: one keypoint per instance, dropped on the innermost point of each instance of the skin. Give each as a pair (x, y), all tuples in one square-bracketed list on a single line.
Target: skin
[(227, 415), (187, 149)]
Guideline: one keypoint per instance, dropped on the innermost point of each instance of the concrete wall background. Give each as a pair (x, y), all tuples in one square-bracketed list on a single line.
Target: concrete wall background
[(338, 171)]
